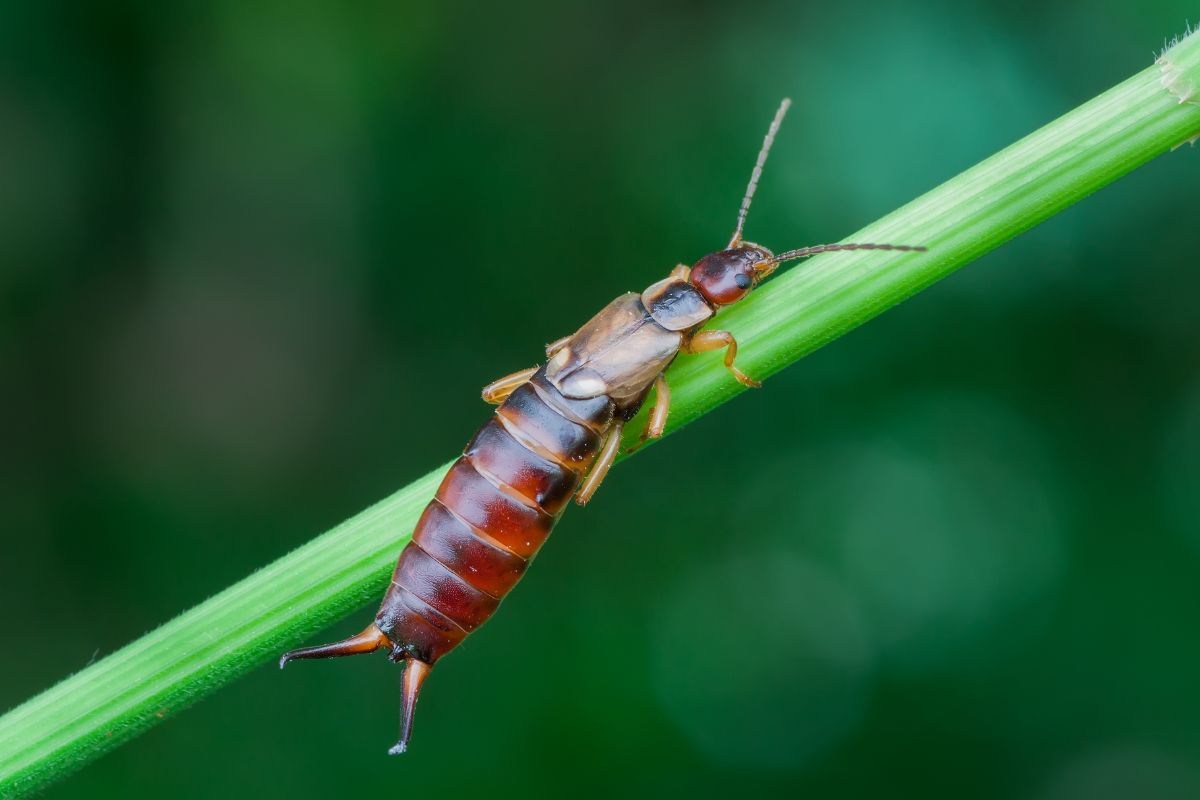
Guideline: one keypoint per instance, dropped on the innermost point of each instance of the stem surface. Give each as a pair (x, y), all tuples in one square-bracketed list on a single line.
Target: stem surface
[(284, 603)]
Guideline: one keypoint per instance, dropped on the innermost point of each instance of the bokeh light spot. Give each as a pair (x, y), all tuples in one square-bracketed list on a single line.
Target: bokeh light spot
[(942, 522), (761, 660), (1125, 773)]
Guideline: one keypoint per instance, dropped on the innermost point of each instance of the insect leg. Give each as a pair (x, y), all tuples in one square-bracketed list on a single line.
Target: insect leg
[(498, 390), (608, 454), (368, 641), (715, 340), (656, 423), (555, 346), (415, 672)]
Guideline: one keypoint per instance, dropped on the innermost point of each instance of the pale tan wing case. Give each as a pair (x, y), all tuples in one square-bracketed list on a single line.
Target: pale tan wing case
[(619, 352)]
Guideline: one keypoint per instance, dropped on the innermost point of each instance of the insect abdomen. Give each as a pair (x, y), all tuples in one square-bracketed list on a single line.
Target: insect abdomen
[(491, 514)]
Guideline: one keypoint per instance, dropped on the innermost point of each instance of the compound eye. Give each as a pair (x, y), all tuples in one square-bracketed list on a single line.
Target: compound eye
[(743, 280)]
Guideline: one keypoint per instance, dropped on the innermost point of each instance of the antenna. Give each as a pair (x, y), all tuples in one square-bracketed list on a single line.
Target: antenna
[(805, 252), (768, 140)]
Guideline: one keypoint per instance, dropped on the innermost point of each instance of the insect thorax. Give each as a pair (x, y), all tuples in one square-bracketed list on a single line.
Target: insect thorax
[(676, 305)]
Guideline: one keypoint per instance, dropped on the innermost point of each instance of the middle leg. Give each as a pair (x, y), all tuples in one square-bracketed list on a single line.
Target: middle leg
[(656, 423)]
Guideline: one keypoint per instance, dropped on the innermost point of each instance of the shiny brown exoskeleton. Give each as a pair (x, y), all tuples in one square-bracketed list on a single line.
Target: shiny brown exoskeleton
[(554, 435)]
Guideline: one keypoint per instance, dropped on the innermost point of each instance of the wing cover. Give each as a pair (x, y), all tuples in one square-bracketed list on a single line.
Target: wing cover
[(618, 353)]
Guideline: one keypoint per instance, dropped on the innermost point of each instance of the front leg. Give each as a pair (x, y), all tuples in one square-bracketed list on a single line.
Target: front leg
[(715, 340), (498, 390)]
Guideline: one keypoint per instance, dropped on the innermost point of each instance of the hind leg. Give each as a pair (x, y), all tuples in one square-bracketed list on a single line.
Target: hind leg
[(608, 454)]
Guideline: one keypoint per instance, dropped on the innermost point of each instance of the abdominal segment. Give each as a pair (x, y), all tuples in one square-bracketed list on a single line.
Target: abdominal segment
[(491, 514)]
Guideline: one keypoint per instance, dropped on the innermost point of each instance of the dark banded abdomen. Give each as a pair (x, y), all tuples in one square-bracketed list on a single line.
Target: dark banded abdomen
[(491, 514)]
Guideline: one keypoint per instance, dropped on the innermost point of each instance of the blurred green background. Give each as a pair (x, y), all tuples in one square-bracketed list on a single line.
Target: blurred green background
[(256, 261)]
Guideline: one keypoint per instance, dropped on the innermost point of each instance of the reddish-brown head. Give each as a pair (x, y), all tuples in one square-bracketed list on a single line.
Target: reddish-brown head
[(727, 276)]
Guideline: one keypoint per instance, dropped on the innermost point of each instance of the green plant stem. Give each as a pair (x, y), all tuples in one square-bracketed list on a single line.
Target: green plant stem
[(284, 603)]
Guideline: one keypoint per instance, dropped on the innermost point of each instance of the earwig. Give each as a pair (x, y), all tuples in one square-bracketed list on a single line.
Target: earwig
[(555, 433)]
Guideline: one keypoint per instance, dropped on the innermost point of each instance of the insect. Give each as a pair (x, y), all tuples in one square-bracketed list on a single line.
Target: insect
[(554, 435)]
